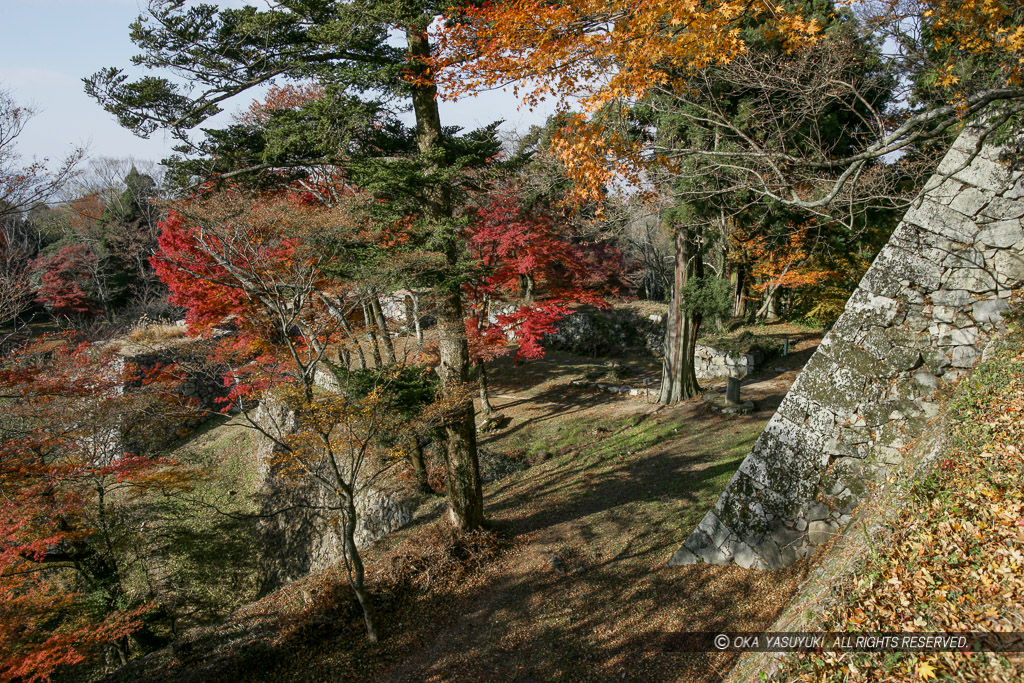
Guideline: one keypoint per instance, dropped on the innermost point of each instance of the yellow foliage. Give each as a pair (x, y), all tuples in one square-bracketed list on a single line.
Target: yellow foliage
[(599, 52), (975, 27), (596, 53)]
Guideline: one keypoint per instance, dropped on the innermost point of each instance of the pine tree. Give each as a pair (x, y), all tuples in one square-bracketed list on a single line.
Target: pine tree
[(344, 48)]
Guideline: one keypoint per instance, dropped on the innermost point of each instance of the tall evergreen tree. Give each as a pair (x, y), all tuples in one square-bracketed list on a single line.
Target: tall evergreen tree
[(708, 196), (354, 127)]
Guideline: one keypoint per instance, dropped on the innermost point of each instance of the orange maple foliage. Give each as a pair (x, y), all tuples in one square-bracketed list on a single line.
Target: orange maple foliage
[(963, 28), (603, 53), (598, 52), (781, 263)]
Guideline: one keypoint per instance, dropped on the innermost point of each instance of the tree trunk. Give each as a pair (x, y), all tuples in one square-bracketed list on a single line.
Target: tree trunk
[(382, 328), (360, 356), (527, 288), (465, 498), (339, 314), (721, 258), (356, 571), (374, 346), (678, 377), (768, 311), (485, 403), (416, 318), (739, 288), (419, 465)]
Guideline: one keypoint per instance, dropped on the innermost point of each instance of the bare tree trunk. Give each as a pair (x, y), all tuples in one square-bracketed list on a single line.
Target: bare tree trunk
[(413, 315), (339, 313), (721, 258), (356, 571), (374, 346), (359, 353), (465, 498), (360, 356), (768, 310), (739, 289), (678, 376), (419, 465), (527, 288), (481, 377), (416, 318), (382, 328)]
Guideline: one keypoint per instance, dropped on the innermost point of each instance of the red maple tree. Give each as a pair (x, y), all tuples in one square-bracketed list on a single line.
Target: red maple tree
[(260, 264), (69, 504), (61, 278), (531, 274)]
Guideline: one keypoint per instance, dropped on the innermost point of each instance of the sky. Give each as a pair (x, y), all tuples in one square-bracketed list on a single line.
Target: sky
[(48, 46)]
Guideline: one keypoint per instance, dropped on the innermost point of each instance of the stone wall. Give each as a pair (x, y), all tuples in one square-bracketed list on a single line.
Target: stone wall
[(621, 331), (200, 385), (590, 331), (200, 382), (711, 363), (920, 318), (298, 530)]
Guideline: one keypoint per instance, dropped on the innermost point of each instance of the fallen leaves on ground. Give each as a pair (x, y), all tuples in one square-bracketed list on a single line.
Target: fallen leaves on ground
[(953, 558)]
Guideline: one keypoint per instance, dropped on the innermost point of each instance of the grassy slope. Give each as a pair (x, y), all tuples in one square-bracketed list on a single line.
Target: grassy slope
[(209, 559)]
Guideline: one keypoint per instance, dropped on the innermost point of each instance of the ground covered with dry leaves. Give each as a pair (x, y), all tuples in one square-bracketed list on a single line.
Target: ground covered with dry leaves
[(591, 493), (953, 558)]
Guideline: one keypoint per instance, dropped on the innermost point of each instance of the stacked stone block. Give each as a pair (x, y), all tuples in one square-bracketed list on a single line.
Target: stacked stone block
[(920, 318), (299, 527), (712, 363)]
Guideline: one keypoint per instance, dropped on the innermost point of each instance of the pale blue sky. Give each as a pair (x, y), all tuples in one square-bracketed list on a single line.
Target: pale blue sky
[(48, 46)]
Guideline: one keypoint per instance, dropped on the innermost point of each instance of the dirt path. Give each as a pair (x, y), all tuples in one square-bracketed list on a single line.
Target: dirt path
[(581, 590), (585, 593)]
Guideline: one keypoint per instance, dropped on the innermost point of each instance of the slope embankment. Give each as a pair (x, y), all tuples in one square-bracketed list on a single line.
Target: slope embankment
[(939, 547), (918, 322)]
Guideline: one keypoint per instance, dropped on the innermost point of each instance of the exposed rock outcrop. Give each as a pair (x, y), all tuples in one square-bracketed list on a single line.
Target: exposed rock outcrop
[(300, 532)]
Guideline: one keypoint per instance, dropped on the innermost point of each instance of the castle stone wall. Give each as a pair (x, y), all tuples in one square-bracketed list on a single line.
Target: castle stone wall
[(920, 318)]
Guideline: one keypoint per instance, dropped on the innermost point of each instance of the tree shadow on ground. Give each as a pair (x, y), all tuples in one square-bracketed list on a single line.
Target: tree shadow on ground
[(605, 611), (601, 612)]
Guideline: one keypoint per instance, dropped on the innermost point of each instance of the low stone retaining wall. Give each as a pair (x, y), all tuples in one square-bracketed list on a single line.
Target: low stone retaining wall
[(589, 331), (613, 388), (711, 363), (199, 381)]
